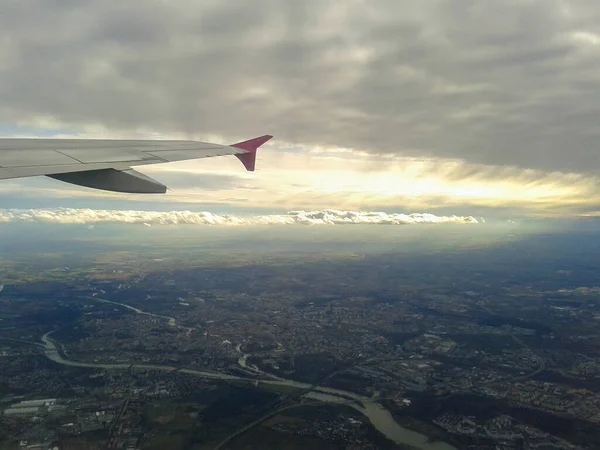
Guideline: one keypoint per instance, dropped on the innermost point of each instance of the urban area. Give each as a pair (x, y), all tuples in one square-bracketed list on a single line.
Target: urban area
[(347, 351)]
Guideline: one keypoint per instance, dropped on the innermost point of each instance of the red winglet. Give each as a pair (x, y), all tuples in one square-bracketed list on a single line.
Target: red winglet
[(248, 159)]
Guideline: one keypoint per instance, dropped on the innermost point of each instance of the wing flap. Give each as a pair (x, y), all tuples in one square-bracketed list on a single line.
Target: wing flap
[(128, 181)]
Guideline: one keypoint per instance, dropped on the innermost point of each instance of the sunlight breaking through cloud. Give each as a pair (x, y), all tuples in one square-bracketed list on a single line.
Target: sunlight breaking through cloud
[(322, 217)]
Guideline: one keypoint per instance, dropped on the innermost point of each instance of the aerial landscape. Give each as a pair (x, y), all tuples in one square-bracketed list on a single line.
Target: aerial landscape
[(477, 338), (300, 225)]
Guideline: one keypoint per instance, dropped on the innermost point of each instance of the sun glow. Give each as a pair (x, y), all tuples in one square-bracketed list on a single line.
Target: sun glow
[(354, 179)]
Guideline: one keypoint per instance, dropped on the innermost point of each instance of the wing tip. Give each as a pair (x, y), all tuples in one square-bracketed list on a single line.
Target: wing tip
[(250, 146)]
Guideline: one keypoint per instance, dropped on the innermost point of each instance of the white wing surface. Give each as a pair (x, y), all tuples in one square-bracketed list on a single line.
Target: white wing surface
[(107, 164)]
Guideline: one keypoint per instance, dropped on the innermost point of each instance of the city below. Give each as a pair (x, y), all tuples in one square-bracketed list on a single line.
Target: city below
[(335, 350)]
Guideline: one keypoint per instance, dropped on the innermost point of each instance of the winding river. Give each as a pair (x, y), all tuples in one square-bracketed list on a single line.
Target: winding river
[(379, 417), (170, 320)]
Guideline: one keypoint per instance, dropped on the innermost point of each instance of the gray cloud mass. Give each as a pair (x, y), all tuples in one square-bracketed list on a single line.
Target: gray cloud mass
[(492, 82)]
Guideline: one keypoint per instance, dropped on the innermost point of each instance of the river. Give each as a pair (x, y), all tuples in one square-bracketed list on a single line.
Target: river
[(379, 417), (170, 320)]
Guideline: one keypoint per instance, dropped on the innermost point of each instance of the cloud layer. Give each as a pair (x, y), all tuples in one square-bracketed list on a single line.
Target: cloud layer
[(148, 218), (494, 82), (349, 180)]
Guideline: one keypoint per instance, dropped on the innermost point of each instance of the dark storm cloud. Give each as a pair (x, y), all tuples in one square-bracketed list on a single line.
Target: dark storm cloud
[(494, 82)]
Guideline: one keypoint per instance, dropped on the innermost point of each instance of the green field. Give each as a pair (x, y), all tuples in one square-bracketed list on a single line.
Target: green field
[(171, 442), (170, 416)]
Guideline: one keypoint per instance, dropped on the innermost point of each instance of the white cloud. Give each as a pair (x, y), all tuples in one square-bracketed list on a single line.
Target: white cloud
[(586, 37), (149, 218)]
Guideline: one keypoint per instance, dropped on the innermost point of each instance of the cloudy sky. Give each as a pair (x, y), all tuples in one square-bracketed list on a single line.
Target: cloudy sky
[(469, 107)]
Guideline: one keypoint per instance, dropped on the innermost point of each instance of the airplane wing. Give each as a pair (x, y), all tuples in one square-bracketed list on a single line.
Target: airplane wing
[(108, 164)]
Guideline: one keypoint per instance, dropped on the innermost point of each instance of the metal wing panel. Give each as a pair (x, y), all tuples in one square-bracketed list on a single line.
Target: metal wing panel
[(5, 174), (32, 171), (106, 163), (66, 145), (185, 154), (32, 157), (36, 158), (106, 155), (142, 151)]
